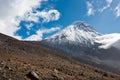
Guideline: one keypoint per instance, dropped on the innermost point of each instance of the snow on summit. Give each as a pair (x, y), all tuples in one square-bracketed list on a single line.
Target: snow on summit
[(78, 32), (81, 33)]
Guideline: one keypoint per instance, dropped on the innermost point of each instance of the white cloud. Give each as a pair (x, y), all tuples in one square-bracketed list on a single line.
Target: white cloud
[(117, 10), (109, 1), (29, 26), (98, 6), (109, 40), (106, 6), (39, 34), (47, 16), (13, 11), (50, 30), (10, 9), (90, 9), (36, 37)]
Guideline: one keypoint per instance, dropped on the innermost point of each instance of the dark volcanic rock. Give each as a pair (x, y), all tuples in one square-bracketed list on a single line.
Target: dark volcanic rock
[(33, 76)]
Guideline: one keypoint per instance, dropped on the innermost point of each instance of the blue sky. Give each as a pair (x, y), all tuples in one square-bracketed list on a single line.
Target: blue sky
[(73, 10), (43, 18)]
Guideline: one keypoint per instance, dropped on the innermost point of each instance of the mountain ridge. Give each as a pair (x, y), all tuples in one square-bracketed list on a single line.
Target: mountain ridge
[(79, 41)]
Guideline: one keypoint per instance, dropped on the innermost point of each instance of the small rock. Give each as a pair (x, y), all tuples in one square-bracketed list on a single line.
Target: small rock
[(105, 74), (3, 62), (56, 77), (9, 60), (33, 76), (56, 71), (81, 73), (7, 67), (9, 79), (61, 78), (112, 76), (92, 78)]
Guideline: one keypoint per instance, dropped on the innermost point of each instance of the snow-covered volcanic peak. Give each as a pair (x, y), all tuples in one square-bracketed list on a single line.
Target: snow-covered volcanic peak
[(81, 33), (109, 40), (78, 32)]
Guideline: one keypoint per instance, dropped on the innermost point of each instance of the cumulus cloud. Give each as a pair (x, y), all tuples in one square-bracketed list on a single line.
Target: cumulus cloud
[(10, 10), (36, 37), (109, 40), (46, 15), (117, 10), (13, 11), (39, 34), (90, 9)]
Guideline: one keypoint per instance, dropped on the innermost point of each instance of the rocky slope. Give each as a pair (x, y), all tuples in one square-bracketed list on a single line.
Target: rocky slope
[(80, 41), (27, 61)]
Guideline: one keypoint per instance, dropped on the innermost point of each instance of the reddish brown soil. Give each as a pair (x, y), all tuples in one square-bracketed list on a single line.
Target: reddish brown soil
[(18, 58)]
